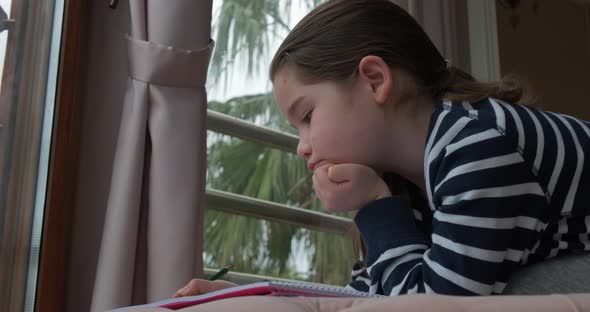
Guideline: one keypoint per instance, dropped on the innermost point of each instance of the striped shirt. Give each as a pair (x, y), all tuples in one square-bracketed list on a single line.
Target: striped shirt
[(506, 185)]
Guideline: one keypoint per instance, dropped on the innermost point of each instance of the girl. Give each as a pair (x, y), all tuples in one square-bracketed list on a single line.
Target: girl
[(478, 183)]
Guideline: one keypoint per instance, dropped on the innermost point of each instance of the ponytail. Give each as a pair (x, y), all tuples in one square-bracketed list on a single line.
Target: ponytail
[(458, 85)]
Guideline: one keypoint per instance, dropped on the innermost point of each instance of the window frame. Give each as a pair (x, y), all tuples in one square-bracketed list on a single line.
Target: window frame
[(63, 166)]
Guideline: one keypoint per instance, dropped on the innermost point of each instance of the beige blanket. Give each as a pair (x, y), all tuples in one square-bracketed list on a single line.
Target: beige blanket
[(548, 303)]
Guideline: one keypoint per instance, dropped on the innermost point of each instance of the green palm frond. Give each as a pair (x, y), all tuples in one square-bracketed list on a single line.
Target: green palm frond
[(243, 26)]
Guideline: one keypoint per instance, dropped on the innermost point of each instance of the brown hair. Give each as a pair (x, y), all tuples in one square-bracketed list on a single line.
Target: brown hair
[(330, 41)]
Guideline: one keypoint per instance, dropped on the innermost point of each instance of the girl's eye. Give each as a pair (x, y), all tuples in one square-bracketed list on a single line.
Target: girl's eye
[(307, 116)]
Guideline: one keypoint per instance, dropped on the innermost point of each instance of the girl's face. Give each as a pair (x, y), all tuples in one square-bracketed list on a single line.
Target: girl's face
[(337, 122)]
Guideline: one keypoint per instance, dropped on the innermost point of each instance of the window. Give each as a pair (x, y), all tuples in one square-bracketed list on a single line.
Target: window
[(261, 214), (29, 54)]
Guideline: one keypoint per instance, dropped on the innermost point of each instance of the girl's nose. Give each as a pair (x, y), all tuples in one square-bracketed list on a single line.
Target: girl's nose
[(303, 149)]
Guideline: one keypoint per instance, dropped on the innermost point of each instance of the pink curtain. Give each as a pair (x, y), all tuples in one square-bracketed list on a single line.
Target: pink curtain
[(152, 236)]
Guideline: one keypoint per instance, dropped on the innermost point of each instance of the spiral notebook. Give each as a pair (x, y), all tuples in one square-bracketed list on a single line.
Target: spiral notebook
[(267, 288)]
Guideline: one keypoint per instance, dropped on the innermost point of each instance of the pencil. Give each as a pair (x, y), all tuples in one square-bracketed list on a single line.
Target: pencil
[(220, 273)]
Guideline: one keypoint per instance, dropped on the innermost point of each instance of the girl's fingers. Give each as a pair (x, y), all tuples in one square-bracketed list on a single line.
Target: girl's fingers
[(179, 293), (316, 186), (321, 182), (194, 287), (342, 173), (200, 286), (314, 180)]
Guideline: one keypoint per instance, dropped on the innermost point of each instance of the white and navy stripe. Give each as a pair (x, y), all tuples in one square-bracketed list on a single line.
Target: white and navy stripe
[(505, 185)]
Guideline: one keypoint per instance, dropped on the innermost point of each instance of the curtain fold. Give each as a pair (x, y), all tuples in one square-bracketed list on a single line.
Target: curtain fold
[(152, 235), (445, 22)]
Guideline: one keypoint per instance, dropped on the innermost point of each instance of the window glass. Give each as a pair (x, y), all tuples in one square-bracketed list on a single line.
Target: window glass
[(30, 34)]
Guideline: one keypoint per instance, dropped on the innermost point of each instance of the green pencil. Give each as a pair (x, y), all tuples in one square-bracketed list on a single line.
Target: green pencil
[(221, 273)]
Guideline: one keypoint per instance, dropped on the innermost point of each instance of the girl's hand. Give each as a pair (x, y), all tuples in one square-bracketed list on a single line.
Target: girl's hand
[(200, 286), (347, 187)]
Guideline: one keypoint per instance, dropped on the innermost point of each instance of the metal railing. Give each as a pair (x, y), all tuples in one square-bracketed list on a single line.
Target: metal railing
[(239, 128), (263, 209)]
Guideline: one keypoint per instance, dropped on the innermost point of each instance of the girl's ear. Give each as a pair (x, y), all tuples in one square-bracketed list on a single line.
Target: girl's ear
[(376, 74)]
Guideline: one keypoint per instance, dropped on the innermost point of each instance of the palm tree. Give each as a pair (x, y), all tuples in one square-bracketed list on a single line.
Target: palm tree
[(253, 245)]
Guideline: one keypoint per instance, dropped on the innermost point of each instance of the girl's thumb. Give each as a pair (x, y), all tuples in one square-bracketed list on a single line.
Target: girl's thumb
[(338, 173)]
